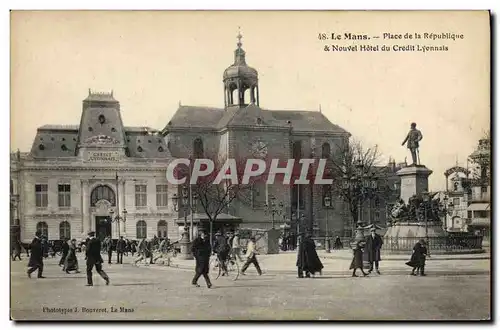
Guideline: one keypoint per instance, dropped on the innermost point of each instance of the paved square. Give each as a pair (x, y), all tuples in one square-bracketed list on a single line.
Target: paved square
[(164, 293)]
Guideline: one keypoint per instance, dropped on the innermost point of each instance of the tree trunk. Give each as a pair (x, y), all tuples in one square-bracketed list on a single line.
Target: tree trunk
[(211, 233)]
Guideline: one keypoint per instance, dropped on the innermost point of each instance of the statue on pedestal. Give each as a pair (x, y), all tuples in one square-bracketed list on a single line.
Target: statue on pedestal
[(412, 139)]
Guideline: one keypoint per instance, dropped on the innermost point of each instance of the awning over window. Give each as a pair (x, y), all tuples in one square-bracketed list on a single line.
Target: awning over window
[(479, 207), (480, 222)]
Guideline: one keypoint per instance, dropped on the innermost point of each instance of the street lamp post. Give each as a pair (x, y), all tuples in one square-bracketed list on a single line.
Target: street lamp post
[(118, 219), (328, 201), (273, 210), (185, 239)]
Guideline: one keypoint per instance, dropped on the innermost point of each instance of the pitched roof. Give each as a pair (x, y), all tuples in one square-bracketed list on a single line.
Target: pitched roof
[(217, 118)]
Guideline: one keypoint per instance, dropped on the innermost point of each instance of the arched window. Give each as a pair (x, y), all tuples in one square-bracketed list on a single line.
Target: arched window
[(162, 229), (64, 230), (198, 148), (141, 229), (325, 150), (43, 228), (102, 192)]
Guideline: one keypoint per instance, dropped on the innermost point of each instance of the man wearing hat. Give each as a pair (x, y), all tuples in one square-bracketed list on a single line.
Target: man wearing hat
[(93, 256), (36, 257), (373, 245), (221, 248), (201, 251)]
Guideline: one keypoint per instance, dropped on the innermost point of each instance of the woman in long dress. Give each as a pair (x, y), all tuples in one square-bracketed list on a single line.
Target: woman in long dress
[(71, 262), (357, 258)]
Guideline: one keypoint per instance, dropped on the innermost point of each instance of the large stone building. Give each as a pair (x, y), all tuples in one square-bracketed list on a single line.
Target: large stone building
[(79, 178), (75, 176), (243, 129)]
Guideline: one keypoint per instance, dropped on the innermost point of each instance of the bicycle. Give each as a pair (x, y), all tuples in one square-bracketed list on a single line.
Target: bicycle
[(233, 269)]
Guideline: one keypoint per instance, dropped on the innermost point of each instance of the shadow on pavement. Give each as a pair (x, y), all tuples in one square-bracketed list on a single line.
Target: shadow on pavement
[(132, 284)]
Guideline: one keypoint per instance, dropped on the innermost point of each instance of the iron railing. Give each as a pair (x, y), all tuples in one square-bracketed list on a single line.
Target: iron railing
[(435, 244)]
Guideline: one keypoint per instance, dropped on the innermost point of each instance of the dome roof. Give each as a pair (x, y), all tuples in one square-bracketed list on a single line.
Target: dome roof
[(239, 69)]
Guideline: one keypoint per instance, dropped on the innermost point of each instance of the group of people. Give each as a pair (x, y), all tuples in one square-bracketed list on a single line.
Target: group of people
[(69, 260), (227, 248), (373, 244)]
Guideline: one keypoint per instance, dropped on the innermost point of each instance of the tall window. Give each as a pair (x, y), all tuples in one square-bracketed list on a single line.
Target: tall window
[(162, 229), (161, 195), (141, 195), (298, 191), (141, 229), (198, 148), (259, 194), (64, 195), (102, 192), (43, 228), (41, 195), (11, 187), (64, 230), (325, 150)]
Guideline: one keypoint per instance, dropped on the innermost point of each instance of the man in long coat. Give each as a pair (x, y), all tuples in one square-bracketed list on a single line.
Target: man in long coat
[(374, 243), (201, 251), (307, 258), (94, 258), (65, 250), (108, 246), (36, 256), (120, 249)]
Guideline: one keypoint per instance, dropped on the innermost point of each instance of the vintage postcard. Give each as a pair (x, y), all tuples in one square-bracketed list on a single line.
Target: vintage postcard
[(250, 165)]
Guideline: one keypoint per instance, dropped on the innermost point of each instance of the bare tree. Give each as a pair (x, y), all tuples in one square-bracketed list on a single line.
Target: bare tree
[(349, 166), (215, 197)]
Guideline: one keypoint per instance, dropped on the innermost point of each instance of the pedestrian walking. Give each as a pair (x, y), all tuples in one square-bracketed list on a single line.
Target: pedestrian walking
[(143, 252), (94, 258), (71, 261), (374, 243), (108, 247), (36, 256), (65, 250), (307, 258), (418, 258), (338, 243), (201, 251), (236, 247), (251, 256), (120, 249), (16, 251), (357, 258)]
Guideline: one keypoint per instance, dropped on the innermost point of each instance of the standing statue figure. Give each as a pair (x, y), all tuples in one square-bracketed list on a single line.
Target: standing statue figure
[(413, 138)]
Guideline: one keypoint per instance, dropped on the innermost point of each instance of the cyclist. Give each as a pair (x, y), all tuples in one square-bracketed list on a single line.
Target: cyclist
[(221, 248)]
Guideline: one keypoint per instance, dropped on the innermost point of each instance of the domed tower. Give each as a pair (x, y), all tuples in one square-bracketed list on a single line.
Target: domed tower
[(240, 81)]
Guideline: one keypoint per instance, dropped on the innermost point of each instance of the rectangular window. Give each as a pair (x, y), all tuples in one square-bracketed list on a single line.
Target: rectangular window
[(469, 214), (11, 187), (41, 195), (141, 195), (298, 192), (484, 189), (64, 195), (456, 201), (161, 195)]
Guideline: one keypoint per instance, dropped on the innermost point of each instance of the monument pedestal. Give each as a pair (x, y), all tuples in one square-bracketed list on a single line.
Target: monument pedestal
[(414, 181)]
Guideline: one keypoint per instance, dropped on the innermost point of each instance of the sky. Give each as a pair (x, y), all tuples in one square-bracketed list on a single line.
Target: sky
[(154, 60)]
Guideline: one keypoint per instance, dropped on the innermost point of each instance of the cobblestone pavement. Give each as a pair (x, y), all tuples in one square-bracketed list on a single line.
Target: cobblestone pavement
[(164, 293)]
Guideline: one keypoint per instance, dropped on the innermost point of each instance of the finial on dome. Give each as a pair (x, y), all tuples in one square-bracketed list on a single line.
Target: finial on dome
[(90, 92), (320, 108), (239, 36)]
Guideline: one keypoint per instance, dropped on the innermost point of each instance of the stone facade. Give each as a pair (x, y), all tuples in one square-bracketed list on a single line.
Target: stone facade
[(75, 175)]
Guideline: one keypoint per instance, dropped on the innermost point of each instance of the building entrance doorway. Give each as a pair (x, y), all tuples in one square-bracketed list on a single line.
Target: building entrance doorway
[(102, 227)]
